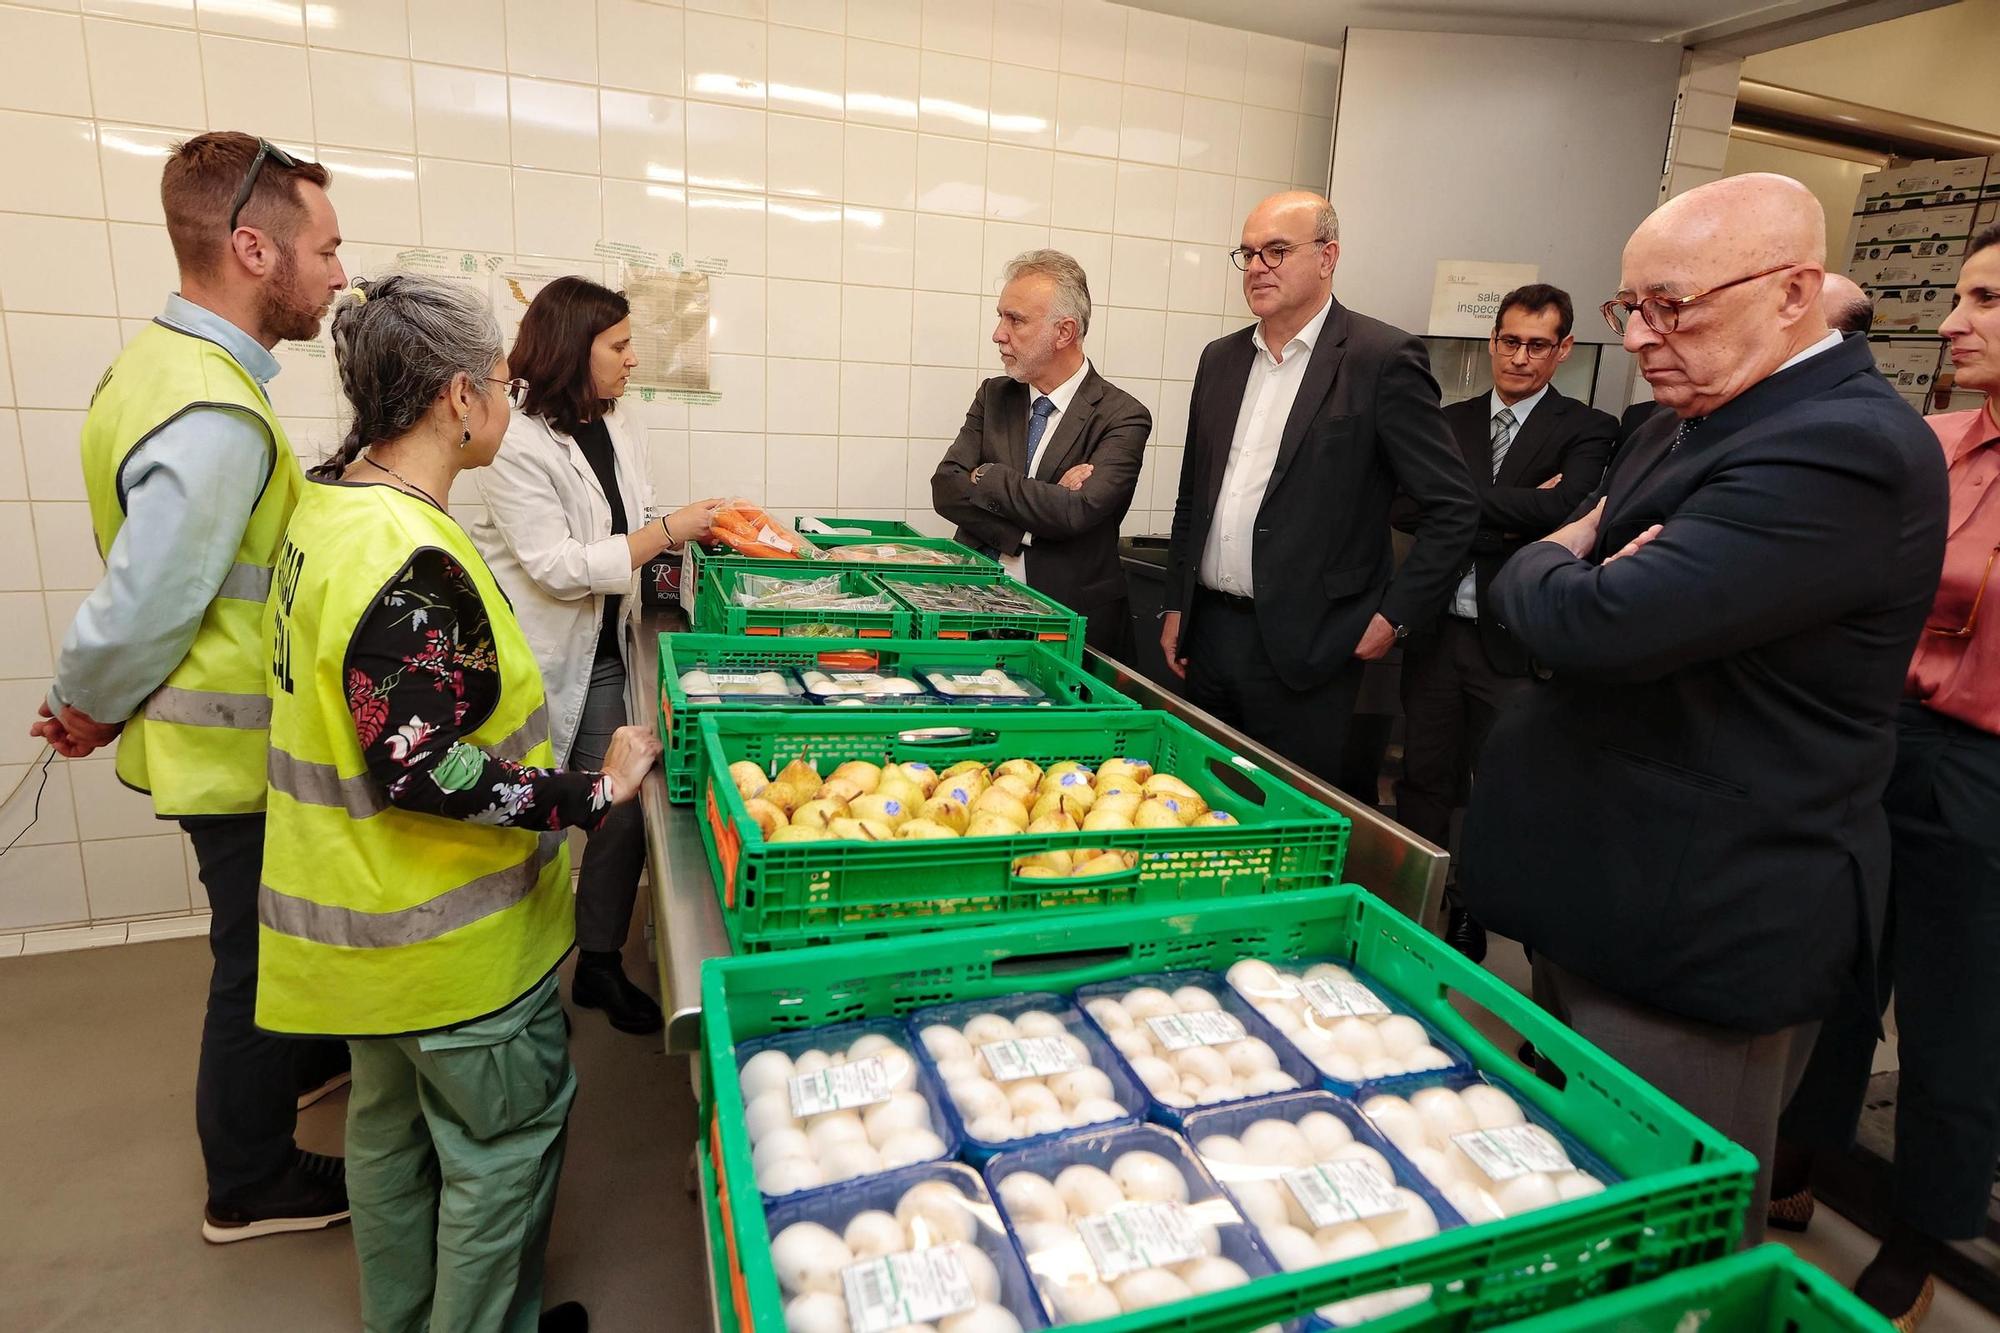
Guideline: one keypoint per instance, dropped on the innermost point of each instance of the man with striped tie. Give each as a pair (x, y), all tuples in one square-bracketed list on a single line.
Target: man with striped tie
[(1048, 459), (1534, 456)]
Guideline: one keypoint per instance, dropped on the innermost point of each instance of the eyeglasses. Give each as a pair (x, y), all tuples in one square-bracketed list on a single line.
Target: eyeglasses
[(1273, 255), (1971, 617), (1663, 313), (517, 389), (265, 149), (1536, 348)]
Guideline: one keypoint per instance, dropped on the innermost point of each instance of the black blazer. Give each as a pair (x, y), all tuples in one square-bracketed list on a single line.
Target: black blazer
[(1690, 813), (1562, 436), (1074, 556), (1365, 425)]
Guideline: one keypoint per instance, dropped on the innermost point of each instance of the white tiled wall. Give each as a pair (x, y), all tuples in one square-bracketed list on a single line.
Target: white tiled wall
[(854, 173)]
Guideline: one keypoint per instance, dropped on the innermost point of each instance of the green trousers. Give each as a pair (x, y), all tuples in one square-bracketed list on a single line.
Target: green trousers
[(454, 1145)]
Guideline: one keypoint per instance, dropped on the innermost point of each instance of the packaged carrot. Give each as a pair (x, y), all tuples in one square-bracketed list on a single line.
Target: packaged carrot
[(745, 528)]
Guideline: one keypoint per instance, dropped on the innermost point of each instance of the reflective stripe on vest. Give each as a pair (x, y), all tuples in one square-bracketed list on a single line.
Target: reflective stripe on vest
[(346, 928), (376, 920), (197, 743)]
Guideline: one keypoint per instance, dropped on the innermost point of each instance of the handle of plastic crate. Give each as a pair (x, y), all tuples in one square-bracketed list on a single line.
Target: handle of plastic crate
[(1060, 960), (946, 736), (1504, 1058), (1241, 782)]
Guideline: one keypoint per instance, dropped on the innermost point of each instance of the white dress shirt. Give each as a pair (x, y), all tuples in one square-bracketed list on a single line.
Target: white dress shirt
[(1268, 396), (1826, 344), (1059, 399), (1465, 602)]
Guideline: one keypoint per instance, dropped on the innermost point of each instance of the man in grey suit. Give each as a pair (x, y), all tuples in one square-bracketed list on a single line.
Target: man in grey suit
[(1048, 459)]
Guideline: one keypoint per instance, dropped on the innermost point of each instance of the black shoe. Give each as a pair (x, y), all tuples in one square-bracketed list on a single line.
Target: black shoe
[(323, 1070), (1464, 934), (310, 1194), (601, 983), (569, 1317)]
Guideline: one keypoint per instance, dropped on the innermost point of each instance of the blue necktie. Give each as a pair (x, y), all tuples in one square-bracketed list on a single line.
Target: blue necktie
[(1038, 421)]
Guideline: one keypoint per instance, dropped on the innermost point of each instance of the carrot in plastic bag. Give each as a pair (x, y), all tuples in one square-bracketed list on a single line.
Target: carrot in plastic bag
[(744, 527)]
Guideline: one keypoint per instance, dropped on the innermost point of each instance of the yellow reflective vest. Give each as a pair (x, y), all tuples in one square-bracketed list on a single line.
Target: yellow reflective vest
[(197, 743), (376, 921)]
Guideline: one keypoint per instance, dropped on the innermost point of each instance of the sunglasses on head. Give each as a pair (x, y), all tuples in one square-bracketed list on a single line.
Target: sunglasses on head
[(265, 150)]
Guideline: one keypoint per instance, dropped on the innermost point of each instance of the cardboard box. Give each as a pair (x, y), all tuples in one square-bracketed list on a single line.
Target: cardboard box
[(1908, 250), (1986, 215), (1915, 224), (1910, 366), (1911, 309), (1907, 271), (1944, 180), (1962, 400), (1992, 176)]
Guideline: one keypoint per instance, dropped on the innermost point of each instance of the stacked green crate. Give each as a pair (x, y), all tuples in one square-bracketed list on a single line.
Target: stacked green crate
[(1680, 1201), (1767, 1290), (893, 552), (1031, 615), (717, 610)]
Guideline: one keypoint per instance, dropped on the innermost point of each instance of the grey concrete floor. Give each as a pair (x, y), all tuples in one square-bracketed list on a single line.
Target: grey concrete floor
[(101, 1182), (101, 1189)]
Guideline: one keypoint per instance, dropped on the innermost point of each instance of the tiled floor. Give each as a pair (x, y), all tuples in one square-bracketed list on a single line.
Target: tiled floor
[(100, 1181)]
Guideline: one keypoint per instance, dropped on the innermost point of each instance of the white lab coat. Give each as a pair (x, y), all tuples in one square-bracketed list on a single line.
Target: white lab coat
[(547, 537)]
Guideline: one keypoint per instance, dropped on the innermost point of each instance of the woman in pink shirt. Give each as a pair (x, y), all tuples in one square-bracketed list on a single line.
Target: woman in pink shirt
[(1941, 945)]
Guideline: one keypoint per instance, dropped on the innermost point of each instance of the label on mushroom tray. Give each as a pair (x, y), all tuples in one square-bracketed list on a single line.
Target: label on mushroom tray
[(1030, 1057), (841, 1087), (1139, 1235), (1348, 1191), (917, 1287), (1206, 1027), (1513, 1150), (1341, 999)]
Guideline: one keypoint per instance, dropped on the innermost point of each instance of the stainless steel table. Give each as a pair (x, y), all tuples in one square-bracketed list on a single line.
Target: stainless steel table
[(1382, 855)]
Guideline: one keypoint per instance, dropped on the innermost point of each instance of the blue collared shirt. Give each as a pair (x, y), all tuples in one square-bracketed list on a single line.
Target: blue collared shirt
[(189, 492)]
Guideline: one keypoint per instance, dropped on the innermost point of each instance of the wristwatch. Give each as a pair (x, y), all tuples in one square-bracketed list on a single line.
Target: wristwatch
[(1402, 631)]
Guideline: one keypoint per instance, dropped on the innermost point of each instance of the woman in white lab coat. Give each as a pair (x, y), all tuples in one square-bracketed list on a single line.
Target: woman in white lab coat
[(565, 532)]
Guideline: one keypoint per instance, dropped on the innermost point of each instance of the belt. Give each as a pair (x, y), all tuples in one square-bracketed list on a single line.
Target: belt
[(1230, 600)]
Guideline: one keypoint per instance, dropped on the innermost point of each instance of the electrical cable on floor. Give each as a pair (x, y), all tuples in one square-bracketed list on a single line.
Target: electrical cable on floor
[(42, 762)]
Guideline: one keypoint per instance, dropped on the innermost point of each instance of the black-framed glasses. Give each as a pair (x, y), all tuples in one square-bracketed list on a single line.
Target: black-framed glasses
[(1537, 349), (517, 389), (265, 149), (1972, 616), (1272, 254), (1663, 313)]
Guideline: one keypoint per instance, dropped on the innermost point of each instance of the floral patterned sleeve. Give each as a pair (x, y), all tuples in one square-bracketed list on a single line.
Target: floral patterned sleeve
[(421, 672)]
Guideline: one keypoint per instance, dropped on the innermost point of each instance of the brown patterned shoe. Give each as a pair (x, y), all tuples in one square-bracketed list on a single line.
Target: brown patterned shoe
[(1910, 1318), (1794, 1212)]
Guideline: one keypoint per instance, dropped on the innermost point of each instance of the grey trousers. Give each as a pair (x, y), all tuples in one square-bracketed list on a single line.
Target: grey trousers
[(616, 852), (1738, 1082)]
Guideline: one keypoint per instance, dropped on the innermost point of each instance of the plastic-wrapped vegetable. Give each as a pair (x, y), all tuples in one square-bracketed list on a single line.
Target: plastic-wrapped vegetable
[(768, 593), (902, 553), (748, 530), (981, 598)]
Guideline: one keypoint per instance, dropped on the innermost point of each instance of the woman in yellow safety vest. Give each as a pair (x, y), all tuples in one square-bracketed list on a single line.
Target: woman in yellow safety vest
[(416, 884)]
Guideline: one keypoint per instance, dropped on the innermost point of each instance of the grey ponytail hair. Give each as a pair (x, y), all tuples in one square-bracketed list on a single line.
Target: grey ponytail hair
[(398, 341)]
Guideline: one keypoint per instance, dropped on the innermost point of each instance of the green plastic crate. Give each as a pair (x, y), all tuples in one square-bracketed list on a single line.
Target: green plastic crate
[(1767, 1290), (716, 612), (864, 527), (1067, 685), (791, 895), (1055, 625), (697, 560), (1680, 1201)]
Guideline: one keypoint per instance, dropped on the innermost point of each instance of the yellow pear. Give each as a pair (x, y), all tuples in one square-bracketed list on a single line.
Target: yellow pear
[(921, 774), (1004, 803), (1054, 822), (1055, 862), (769, 817), (924, 828), (899, 788), (1156, 814), (818, 814), (1161, 784), (965, 766), (1118, 803), (1102, 818), (799, 833), (874, 805), (1133, 770), (964, 788), (1187, 805), (1027, 770), (944, 810), (843, 790), (1046, 803), (1110, 863), (781, 794), (986, 824), (799, 774), (749, 778), (1060, 774), (861, 773), (1215, 817), (1073, 786), (1014, 785), (860, 830), (1026, 871)]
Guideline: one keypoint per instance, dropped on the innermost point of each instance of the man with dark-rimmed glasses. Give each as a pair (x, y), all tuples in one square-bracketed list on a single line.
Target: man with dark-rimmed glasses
[(191, 482), (1685, 823)]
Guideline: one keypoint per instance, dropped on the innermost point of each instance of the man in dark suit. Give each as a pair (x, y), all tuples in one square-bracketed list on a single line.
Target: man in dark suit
[(1302, 429), (1049, 456), (1685, 823), (1534, 456)]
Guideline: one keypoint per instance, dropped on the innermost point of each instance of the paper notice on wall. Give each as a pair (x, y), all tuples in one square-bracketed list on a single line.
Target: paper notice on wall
[(1467, 292), (669, 328), (514, 288)]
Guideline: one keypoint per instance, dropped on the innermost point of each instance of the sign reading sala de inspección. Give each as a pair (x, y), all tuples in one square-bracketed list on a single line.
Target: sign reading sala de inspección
[(1467, 293)]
